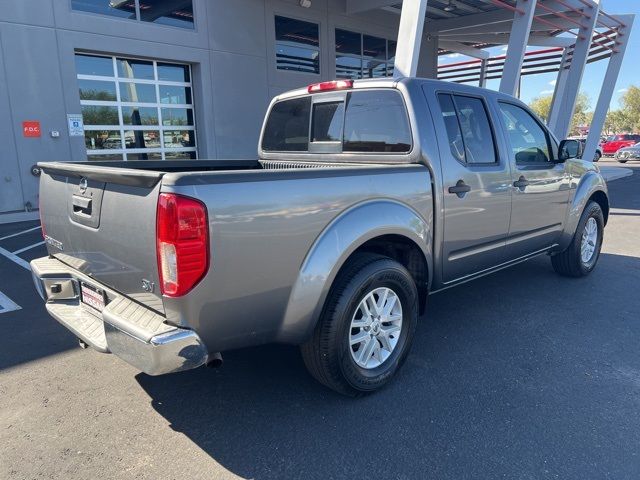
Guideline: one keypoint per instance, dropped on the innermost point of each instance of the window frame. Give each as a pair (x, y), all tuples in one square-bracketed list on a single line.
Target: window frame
[(490, 120), (327, 146), (342, 156), (138, 18), (309, 47), (118, 103), (552, 158), (361, 57)]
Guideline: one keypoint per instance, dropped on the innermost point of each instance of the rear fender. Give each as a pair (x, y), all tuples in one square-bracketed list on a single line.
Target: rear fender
[(332, 249), (590, 183)]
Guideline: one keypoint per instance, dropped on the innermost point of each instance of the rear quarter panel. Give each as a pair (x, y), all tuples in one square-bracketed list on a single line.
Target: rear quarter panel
[(262, 227)]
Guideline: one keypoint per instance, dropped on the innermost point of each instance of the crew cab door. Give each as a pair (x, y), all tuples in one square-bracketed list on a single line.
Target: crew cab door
[(476, 187), (540, 185)]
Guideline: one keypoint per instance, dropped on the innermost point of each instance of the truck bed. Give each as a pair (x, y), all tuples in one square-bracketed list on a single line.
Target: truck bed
[(263, 220)]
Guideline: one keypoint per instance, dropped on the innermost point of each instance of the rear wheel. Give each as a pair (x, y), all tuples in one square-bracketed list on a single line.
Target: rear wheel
[(580, 258), (366, 327), (622, 161), (596, 156)]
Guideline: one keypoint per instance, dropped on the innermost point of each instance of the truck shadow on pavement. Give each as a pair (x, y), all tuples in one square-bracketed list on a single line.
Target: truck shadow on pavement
[(520, 374)]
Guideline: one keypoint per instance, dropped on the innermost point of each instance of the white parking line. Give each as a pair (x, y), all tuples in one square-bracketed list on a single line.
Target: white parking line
[(20, 233), (28, 248), (7, 305), (15, 259)]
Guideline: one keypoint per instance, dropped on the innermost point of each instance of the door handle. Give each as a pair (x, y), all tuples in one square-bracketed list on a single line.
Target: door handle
[(460, 189), (81, 205), (521, 183)]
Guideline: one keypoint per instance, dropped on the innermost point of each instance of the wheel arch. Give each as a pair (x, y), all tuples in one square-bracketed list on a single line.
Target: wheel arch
[(380, 226), (601, 199), (592, 186)]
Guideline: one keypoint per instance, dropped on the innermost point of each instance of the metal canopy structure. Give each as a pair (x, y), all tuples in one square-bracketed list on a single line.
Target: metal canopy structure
[(571, 32)]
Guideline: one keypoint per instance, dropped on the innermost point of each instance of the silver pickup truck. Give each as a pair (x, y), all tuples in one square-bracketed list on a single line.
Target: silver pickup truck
[(367, 196)]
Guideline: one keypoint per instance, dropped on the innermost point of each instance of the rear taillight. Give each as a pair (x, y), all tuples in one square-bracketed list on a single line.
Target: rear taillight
[(329, 86), (182, 239)]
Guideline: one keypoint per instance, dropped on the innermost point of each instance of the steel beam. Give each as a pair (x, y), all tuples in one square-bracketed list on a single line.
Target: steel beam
[(482, 81), (428, 58), (463, 49), (517, 46), (410, 38), (608, 86), (559, 89), (564, 102), (503, 39), (357, 6)]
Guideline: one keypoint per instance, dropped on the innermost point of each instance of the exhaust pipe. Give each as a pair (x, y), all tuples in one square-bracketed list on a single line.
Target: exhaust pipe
[(214, 360)]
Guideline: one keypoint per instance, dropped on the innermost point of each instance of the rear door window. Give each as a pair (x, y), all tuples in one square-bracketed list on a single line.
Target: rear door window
[(468, 129), (287, 129), (376, 122)]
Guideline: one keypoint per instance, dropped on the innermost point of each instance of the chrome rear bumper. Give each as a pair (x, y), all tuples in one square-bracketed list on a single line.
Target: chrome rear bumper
[(125, 328)]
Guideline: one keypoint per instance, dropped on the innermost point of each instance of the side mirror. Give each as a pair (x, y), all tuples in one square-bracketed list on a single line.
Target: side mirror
[(569, 149)]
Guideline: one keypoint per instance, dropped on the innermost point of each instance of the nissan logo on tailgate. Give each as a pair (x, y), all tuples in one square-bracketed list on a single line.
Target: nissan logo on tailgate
[(83, 185)]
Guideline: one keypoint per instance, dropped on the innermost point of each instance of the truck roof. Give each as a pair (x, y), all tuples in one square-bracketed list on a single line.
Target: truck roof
[(388, 82)]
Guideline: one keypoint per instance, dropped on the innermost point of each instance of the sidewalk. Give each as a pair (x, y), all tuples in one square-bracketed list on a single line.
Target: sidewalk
[(614, 173)]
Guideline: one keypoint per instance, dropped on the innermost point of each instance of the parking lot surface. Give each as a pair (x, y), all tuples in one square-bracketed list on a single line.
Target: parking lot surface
[(522, 374)]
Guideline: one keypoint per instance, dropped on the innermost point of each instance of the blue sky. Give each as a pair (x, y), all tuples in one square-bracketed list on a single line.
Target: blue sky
[(536, 85)]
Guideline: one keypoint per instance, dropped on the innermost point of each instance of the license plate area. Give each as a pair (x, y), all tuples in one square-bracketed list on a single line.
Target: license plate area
[(92, 296)]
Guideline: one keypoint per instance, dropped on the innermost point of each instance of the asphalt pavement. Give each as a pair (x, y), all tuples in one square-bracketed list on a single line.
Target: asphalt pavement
[(522, 374)]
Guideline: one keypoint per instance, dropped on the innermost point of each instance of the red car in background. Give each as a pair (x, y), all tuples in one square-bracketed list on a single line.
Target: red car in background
[(614, 143)]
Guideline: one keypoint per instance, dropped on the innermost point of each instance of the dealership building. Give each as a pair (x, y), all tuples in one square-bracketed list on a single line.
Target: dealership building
[(191, 79)]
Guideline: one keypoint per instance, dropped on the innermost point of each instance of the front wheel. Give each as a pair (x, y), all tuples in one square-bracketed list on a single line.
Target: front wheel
[(596, 156), (366, 327), (580, 258), (622, 161)]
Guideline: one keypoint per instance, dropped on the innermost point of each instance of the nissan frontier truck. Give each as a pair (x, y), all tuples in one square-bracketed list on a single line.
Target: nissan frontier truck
[(367, 196)]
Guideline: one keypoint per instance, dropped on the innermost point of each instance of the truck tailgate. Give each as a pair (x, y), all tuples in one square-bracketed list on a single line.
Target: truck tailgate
[(102, 221)]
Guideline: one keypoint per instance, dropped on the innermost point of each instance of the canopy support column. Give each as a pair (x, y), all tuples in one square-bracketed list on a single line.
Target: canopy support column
[(410, 38), (564, 103), (518, 39), (608, 85)]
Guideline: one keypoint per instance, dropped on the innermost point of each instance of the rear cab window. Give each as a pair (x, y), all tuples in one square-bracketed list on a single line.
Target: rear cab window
[(287, 128), (358, 121)]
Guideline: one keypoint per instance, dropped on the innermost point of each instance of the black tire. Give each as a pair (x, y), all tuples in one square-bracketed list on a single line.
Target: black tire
[(596, 157), (327, 355), (569, 263), (622, 161)]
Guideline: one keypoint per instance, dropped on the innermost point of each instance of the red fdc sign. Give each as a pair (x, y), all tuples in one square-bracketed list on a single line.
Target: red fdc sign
[(31, 129)]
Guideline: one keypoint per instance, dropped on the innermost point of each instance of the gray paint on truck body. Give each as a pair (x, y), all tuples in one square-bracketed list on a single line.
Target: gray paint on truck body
[(279, 237)]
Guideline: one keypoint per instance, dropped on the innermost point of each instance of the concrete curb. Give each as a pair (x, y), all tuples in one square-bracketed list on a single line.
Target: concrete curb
[(615, 173)]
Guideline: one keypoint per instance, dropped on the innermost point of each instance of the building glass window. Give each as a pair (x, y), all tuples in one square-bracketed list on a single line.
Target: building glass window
[(175, 14), (297, 45), (136, 109), (363, 56)]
